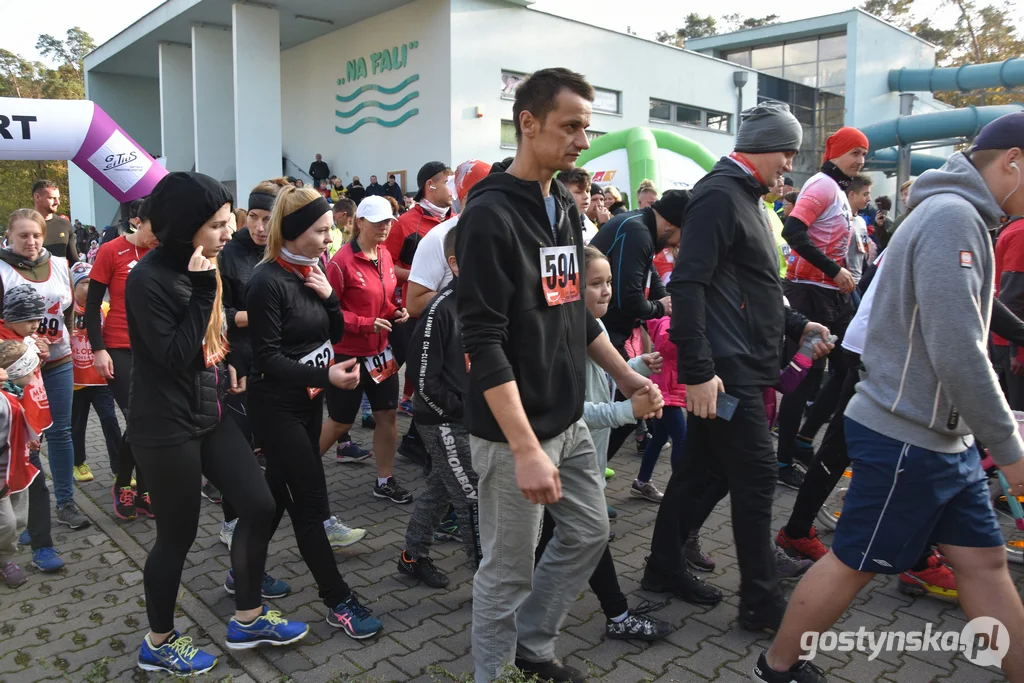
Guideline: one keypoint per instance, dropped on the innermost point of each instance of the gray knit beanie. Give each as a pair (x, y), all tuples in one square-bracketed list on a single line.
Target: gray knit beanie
[(768, 127), (22, 303)]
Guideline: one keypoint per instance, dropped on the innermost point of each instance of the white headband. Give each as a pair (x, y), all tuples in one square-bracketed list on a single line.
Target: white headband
[(25, 365)]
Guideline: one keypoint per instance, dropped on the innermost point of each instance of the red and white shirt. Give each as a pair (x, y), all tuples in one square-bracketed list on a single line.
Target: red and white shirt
[(823, 207)]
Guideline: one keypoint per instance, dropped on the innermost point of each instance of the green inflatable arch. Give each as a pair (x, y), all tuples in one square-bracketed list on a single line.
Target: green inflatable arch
[(641, 145)]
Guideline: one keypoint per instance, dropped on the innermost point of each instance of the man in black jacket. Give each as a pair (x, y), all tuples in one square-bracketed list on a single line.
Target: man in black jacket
[(318, 170), (374, 189), (393, 189), (355, 190), (729, 322), (527, 332)]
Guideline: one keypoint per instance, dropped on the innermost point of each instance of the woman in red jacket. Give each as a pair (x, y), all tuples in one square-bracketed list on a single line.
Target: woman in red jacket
[(362, 274)]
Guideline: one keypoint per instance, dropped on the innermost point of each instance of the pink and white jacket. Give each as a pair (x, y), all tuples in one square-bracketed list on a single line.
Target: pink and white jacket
[(667, 380)]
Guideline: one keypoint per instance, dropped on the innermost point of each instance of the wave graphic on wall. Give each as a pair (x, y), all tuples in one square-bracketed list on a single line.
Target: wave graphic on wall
[(387, 123)]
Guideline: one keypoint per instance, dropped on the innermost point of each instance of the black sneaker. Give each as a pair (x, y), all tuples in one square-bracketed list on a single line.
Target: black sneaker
[(766, 618), (412, 449), (683, 585), (801, 672), (211, 493), (637, 627), (393, 491), (791, 477), (551, 671), (422, 569)]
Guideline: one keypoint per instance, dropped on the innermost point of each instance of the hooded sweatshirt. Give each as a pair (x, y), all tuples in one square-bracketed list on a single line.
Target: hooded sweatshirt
[(928, 381), (175, 396), (508, 329)]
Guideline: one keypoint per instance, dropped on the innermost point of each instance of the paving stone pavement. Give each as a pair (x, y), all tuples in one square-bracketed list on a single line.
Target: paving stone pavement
[(84, 624)]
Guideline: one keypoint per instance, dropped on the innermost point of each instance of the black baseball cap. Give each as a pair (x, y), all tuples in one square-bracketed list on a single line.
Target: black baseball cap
[(427, 171), (1006, 132)]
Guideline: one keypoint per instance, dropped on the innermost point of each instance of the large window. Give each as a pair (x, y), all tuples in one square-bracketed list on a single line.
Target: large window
[(815, 62), (508, 135), (605, 101), (663, 111)]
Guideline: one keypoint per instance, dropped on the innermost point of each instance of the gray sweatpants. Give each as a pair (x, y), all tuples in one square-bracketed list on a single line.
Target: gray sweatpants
[(13, 515), (518, 609), (451, 480)]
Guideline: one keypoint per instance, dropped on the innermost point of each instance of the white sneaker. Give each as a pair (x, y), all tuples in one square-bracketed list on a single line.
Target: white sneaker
[(340, 535), (227, 532)]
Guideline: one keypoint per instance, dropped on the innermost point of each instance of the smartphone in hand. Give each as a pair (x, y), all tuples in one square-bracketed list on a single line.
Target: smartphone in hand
[(727, 406)]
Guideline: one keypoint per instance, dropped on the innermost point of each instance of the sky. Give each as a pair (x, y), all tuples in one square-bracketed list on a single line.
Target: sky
[(23, 22)]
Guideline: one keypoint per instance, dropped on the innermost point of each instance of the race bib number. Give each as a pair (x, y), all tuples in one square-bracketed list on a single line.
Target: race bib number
[(381, 366), (560, 275), (322, 357), (50, 328)]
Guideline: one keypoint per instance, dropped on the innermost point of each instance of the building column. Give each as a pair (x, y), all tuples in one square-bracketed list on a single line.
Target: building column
[(212, 103), (177, 126), (256, 56)]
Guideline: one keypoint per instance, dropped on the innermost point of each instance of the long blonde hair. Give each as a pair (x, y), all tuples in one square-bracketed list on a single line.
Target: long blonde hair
[(289, 200)]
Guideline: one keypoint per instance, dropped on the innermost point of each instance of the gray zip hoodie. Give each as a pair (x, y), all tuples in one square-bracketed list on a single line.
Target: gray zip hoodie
[(928, 380)]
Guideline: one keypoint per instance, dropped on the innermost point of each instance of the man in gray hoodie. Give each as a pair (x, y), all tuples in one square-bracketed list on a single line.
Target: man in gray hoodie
[(927, 390)]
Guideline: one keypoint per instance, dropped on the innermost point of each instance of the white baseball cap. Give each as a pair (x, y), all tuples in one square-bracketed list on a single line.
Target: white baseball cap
[(375, 209)]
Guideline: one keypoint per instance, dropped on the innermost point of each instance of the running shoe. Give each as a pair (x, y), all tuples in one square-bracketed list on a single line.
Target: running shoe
[(211, 493), (447, 530), (801, 672), (342, 536), (70, 515), (406, 406), (636, 627), (270, 628), (124, 502), (368, 421), (350, 451), (553, 670), (176, 655), (82, 472), (270, 589), (393, 491), (227, 532), (609, 473), (682, 584), (144, 505), (810, 548), (641, 443), (411, 448), (423, 569), (695, 556), (791, 477), (936, 579), (612, 514), (355, 619), (14, 575), (47, 560), (25, 538), (646, 490), (765, 618), (790, 567)]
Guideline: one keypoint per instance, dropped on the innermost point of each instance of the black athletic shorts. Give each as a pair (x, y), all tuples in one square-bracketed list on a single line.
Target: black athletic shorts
[(343, 404)]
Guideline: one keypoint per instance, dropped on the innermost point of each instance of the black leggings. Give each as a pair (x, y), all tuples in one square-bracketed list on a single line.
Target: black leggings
[(121, 386), (604, 581), (236, 408), (287, 427), (176, 475)]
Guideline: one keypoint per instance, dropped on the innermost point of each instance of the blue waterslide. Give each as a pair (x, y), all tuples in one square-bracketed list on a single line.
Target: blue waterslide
[(1005, 74)]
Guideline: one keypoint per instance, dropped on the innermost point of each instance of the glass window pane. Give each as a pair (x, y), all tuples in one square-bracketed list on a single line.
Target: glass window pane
[(801, 53), (718, 121), (777, 72), (508, 135), (741, 57), (832, 73), (805, 74), (606, 101), (510, 80), (661, 110), (833, 47), (688, 115), (594, 134), (766, 57)]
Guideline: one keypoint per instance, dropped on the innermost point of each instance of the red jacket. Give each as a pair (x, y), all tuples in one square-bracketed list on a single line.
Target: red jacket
[(414, 221), (365, 294), (667, 380)]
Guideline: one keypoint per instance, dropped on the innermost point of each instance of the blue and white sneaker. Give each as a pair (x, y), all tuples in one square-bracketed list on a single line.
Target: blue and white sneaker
[(25, 538), (355, 619), (177, 656), (270, 588), (47, 560), (270, 628)]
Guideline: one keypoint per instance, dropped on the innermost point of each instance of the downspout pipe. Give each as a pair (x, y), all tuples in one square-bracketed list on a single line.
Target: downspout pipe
[(1005, 74)]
